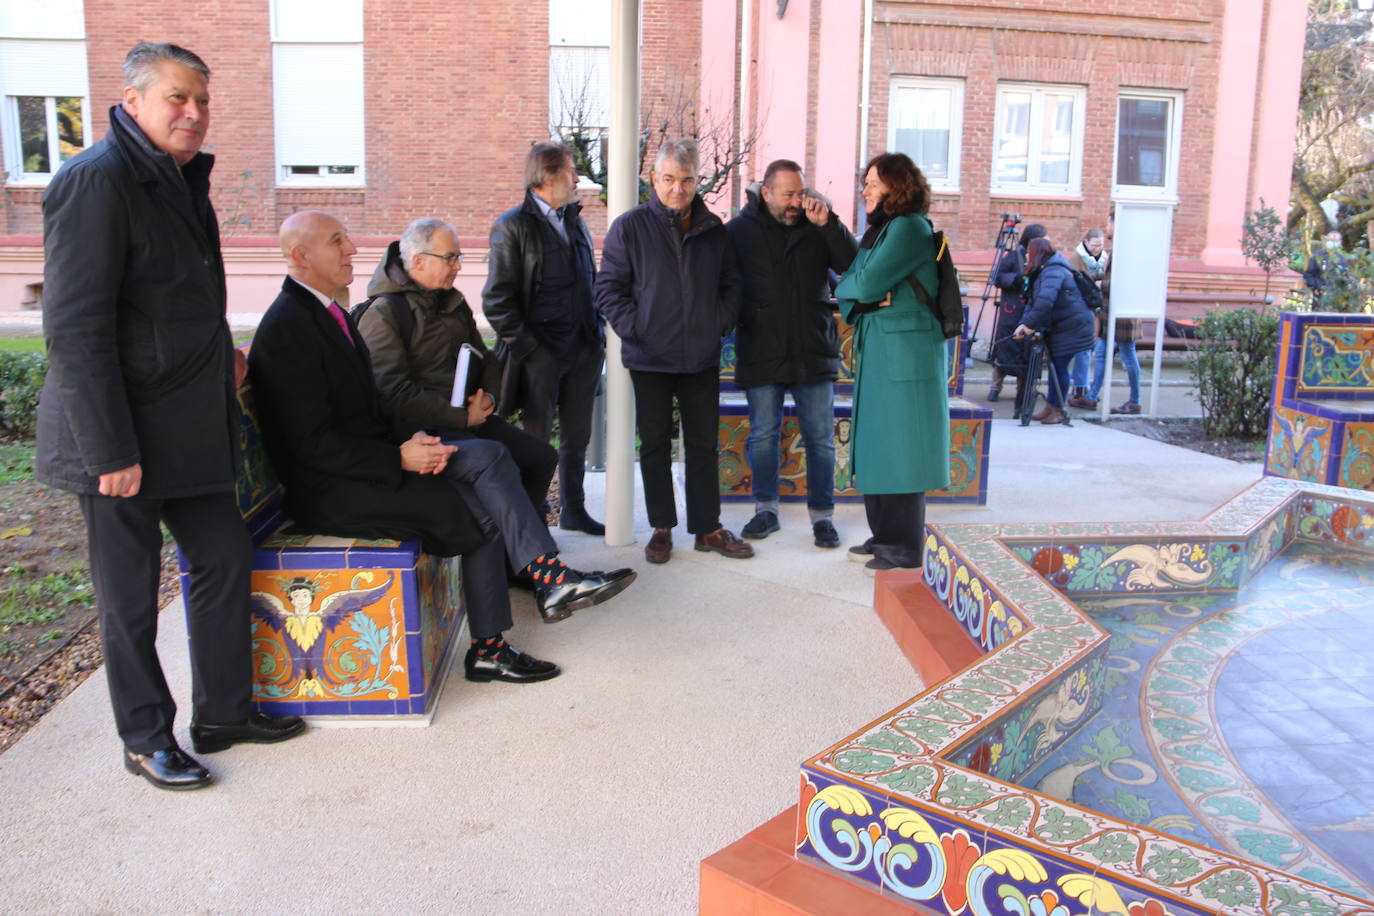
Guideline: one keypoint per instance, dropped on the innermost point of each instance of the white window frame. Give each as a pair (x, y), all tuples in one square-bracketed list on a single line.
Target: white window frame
[(1029, 187), (322, 25), (1169, 191), (955, 86), (580, 26), (14, 151)]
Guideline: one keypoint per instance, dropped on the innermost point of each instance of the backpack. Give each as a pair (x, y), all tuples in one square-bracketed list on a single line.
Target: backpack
[(947, 305), (1092, 295), (405, 318)]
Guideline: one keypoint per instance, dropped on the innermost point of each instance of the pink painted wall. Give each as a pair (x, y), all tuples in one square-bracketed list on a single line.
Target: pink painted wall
[(782, 78), (837, 114), (1233, 132), (1276, 125), (719, 63)]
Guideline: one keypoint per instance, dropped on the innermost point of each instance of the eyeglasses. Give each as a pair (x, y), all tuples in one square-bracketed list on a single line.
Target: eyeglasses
[(453, 257)]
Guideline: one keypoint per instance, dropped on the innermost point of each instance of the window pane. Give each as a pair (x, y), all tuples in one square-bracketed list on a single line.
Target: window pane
[(922, 124), (33, 133), (1056, 140), (71, 138), (1013, 138), (1142, 142), (579, 87)]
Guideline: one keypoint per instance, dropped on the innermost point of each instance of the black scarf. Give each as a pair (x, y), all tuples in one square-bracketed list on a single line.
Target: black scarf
[(876, 221)]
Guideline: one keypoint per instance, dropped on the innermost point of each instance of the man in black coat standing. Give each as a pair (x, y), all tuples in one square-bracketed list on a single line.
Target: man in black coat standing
[(538, 298), (137, 415), (788, 241), (670, 288), (352, 468)]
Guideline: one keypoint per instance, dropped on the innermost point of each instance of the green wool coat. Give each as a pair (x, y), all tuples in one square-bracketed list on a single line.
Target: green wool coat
[(901, 394)]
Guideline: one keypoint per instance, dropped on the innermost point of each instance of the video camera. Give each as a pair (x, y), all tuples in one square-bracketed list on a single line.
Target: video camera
[(1010, 219)]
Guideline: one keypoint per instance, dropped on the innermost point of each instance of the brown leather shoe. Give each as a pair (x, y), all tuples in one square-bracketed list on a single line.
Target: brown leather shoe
[(1042, 413), (660, 546), (1052, 416), (724, 542)]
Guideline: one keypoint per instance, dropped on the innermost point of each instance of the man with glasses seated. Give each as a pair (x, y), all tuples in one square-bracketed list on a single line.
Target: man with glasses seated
[(414, 323)]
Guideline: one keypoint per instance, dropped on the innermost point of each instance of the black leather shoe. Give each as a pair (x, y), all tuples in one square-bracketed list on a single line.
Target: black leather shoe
[(825, 534), (510, 665), (169, 768), (582, 589), (259, 728), (579, 520)]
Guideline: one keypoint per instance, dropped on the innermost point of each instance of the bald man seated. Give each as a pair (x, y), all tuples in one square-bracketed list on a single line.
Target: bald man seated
[(351, 468)]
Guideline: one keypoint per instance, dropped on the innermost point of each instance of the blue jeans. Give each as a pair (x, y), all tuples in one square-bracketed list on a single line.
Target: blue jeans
[(1128, 359), (816, 416), (1078, 370), (1057, 384)]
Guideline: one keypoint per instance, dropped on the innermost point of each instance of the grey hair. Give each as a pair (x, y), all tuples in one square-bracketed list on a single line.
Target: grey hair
[(140, 64), (683, 151), (418, 235), (545, 160)]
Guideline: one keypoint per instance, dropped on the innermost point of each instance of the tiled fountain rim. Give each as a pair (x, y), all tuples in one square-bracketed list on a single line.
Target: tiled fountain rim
[(1061, 636)]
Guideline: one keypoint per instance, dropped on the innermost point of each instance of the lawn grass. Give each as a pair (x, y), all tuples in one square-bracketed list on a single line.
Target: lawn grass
[(16, 461), (21, 344)]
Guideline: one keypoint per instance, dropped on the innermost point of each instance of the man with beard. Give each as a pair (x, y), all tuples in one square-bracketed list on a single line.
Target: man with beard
[(787, 241)]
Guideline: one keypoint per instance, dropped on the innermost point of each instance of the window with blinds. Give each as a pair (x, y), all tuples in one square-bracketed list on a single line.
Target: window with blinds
[(317, 92)]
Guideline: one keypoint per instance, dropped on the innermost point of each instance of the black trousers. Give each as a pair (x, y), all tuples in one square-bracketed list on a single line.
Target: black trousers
[(125, 544), (534, 458), (488, 479), (571, 389), (697, 396), (898, 522)]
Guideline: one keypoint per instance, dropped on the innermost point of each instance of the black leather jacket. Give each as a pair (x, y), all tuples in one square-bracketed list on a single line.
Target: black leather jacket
[(515, 266)]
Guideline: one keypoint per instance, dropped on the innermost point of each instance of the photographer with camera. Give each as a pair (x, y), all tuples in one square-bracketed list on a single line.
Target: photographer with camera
[(1009, 353), (1056, 310)]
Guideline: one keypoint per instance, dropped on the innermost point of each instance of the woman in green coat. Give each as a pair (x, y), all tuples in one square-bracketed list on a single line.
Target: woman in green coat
[(901, 396)]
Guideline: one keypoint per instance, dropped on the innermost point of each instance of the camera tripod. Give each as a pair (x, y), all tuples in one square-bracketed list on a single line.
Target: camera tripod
[(1006, 240)]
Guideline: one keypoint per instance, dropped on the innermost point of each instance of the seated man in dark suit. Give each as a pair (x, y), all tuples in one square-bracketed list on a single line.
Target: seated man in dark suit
[(351, 469)]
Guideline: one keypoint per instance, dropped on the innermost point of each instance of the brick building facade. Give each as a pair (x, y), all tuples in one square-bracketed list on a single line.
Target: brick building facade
[(452, 94)]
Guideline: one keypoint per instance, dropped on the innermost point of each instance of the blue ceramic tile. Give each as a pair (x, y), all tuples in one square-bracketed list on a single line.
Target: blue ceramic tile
[(313, 558), (415, 668), (267, 558), (373, 707), (1316, 806), (326, 709), (1300, 731), (1241, 730), (1364, 687), (1320, 693), (1342, 762), (282, 709), (383, 557), (410, 600), (418, 705), (1267, 767)]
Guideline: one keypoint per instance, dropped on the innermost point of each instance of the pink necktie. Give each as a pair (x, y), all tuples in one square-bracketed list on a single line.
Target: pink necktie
[(339, 317)]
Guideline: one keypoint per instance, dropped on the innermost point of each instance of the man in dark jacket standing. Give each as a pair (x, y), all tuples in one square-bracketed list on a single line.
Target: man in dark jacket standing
[(137, 415), (538, 297), (670, 288), (787, 242)]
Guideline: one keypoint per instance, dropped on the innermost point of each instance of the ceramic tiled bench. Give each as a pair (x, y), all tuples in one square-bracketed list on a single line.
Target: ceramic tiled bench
[(1321, 425), (969, 427), (357, 630)]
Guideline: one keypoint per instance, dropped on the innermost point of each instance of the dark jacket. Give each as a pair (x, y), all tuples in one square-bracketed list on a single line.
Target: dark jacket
[(670, 295), (1056, 309), (140, 356), (416, 376), (1008, 353), (331, 441), (786, 329), (515, 271)]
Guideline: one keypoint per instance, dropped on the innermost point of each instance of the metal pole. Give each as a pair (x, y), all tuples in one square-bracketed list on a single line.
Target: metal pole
[(622, 193)]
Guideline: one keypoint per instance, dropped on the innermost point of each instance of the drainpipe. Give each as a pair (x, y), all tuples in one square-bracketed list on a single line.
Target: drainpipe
[(861, 217)]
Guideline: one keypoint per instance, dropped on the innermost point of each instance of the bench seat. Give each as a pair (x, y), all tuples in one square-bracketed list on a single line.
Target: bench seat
[(344, 630)]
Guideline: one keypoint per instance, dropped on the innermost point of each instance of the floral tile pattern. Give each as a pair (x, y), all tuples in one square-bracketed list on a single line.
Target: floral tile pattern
[(935, 776)]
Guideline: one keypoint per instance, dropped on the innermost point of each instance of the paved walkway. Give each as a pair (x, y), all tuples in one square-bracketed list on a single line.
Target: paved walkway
[(685, 708)]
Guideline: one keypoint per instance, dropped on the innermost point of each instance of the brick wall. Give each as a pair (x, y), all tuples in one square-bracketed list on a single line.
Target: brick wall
[(454, 93), (1104, 46)]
